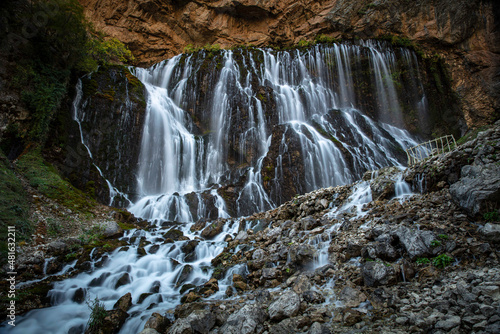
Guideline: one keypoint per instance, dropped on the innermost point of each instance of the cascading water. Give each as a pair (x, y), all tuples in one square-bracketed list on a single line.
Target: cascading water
[(255, 112), (223, 135)]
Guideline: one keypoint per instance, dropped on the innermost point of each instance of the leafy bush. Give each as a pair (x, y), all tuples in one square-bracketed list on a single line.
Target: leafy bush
[(442, 260), (103, 51), (491, 216), (435, 243), (423, 260)]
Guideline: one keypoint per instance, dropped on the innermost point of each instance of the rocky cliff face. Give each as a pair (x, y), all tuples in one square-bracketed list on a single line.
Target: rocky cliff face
[(464, 33)]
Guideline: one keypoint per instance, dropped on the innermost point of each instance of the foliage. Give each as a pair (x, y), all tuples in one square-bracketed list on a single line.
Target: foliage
[(423, 260), (56, 41), (471, 135), (91, 237), (326, 39), (103, 51), (190, 48), (442, 260), (491, 216), (435, 243), (54, 228), (13, 207), (443, 236), (97, 315), (45, 178)]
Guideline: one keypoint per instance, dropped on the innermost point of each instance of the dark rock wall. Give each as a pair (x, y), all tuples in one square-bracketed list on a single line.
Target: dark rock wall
[(111, 112)]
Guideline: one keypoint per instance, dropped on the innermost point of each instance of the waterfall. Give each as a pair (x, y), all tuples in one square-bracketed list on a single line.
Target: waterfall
[(229, 134), (222, 121)]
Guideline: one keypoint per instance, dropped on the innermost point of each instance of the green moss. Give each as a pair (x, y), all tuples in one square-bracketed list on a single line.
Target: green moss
[(45, 178), (126, 226), (14, 207), (471, 135), (324, 39)]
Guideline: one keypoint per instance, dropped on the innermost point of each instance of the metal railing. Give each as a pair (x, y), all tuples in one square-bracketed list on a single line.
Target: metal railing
[(430, 148)]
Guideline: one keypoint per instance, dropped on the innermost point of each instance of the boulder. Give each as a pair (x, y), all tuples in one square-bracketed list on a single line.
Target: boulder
[(351, 297), (416, 243), (111, 230), (478, 188), (124, 279), (157, 322), (183, 275), (124, 302), (199, 321), (149, 331), (286, 306), (490, 232), (376, 274), (245, 321), (212, 230)]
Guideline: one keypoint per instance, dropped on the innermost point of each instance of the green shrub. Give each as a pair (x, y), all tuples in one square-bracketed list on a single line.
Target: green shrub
[(435, 243), (423, 260), (442, 261), (491, 216)]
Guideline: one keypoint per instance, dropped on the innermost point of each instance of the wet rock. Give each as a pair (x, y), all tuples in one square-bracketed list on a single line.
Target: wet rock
[(124, 279), (286, 306), (352, 250), (491, 232), (478, 188), (308, 223), (240, 286), (286, 326), (382, 186), (173, 234), (313, 297), (79, 296), (209, 288), (154, 249), (124, 303), (98, 281), (143, 296), (302, 254), (57, 247), (189, 248), (376, 274), (155, 287), (190, 297), (212, 230), (184, 275), (245, 321), (187, 287), (351, 297), (351, 317), (317, 328), (157, 322)]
